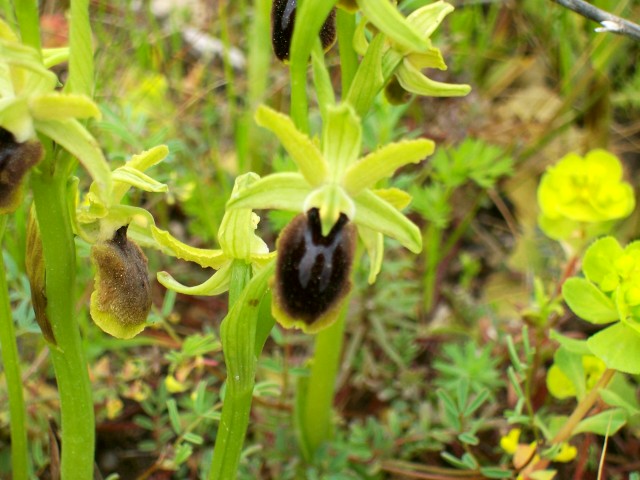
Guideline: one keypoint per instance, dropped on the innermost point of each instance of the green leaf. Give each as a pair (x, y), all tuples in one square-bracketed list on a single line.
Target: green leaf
[(216, 284), (588, 301), (496, 472), (279, 191), (386, 17), (468, 438), (76, 139), (614, 399), (375, 213), (571, 365), (174, 416), (56, 106), (341, 139), (604, 423), (618, 346), (383, 162), (599, 259), (302, 150), (368, 80), (412, 80), (193, 438), (570, 344)]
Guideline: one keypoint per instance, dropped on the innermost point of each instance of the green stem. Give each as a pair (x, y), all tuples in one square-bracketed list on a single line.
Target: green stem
[(11, 363), (78, 424), (238, 335), (320, 388), (80, 78), (346, 27), (432, 241), (27, 16)]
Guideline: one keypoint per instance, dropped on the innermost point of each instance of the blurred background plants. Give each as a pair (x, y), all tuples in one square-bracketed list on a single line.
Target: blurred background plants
[(444, 356)]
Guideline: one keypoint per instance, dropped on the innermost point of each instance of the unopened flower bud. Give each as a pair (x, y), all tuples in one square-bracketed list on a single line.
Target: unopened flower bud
[(34, 263), (283, 17), (15, 161), (121, 300), (312, 271)]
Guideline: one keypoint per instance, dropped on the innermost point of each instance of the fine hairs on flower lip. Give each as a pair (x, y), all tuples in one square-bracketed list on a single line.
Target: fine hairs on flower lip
[(15, 161), (122, 298), (283, 17), (312, 270)]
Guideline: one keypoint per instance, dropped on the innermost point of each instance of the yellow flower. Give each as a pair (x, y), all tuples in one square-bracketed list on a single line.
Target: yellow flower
[(509, 442), (579, 190)]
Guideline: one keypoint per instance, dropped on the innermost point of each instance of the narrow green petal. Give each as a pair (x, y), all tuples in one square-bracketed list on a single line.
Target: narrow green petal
[(374, 243), (341, 139), (412, 80), (218, 283), (202, 256), (378, 215), (54, 56), (18, 55), (426, 19), (302, 150), (386, 17), (280, 191), (399, 199), (149, 158), (132, 177), (76, 139), (368, 79), (432, 58), (56, 106), (383, 162)]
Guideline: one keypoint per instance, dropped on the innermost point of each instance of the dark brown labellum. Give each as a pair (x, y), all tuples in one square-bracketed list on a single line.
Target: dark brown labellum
[(312, 271), (15, 161), (283, 16)]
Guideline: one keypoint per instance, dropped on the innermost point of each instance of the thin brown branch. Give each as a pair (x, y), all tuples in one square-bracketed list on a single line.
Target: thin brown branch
[(610, 23)]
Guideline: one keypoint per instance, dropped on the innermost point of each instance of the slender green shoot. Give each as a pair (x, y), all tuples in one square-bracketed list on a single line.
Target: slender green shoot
[(11, 365)]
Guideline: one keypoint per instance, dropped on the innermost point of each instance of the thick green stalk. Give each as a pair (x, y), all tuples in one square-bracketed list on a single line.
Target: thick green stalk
[(27, 16), (80, 78), (316, 401), (310, 16), (238, 335), (432, 240), (346, 27), (11, 365), (78, 424), (317, 409)]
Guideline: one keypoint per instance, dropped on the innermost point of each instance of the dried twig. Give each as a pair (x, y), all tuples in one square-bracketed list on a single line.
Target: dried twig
[(610, 23)]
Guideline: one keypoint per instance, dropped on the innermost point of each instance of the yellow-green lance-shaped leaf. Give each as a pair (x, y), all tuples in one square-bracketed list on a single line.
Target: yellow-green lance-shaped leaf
[(341, 139), (414, 81), (56, 106), (281, 191)]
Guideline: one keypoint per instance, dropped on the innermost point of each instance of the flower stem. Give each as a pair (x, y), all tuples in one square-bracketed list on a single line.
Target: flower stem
[(238, 335), (11, 363), (78, 432), (27, 16), (315, 417), (583, 408)]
